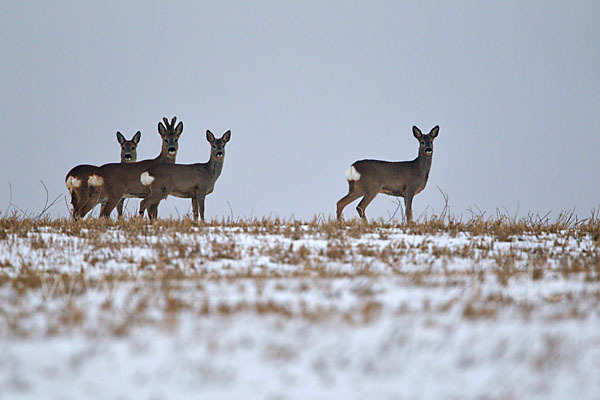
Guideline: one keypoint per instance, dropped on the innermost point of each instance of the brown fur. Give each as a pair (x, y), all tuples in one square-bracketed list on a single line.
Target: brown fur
[(402, 179)]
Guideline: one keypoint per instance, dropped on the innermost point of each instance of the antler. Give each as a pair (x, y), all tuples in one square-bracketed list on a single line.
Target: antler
[(170, 126)]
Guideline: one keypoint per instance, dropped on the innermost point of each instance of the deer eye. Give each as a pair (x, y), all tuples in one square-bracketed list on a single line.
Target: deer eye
[(133, 148), (166, 141), (423, 142)]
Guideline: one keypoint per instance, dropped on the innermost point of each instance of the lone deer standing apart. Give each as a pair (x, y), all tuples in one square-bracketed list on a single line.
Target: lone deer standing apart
[(405, 179), (190, 181), (77, 180), (115, 181)]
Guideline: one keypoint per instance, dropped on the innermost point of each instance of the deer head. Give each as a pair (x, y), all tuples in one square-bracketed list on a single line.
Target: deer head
[(170, 136), (426, 141)]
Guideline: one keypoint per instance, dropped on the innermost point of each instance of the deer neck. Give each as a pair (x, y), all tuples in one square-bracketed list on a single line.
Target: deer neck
[(214, 167), (424, 163)]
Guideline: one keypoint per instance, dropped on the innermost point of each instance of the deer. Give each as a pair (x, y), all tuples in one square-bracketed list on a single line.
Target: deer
[(77, 178), (128, 155), (115, 181), (190, 181), (368, 178)]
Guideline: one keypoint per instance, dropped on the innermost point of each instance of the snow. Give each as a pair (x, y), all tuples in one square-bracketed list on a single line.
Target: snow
[(224, 313)]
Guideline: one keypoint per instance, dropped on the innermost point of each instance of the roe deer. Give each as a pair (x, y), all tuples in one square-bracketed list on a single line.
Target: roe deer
[(406, 179), (115, 181), (77, 178), (190, 181), (128, 154)]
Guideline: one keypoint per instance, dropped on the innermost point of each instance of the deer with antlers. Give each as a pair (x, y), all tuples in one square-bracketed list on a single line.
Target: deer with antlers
[(115, 181)]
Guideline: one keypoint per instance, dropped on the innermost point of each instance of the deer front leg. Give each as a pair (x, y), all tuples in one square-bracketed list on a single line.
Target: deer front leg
[(195, 207), (408, 206), (362, 206), (201, 206), (120, 208)]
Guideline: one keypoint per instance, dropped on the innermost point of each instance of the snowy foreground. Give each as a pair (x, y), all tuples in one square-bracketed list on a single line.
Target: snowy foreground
[(297, 313)]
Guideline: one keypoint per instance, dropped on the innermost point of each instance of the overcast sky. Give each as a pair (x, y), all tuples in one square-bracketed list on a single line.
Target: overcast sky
[(307, 88)]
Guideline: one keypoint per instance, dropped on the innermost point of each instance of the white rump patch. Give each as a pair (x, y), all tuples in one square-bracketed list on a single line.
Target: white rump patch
[(352, 174), (95, 180), (146, 179), (73, 183)]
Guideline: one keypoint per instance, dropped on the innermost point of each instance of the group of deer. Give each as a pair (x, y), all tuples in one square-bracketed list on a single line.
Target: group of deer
[(154, 180)]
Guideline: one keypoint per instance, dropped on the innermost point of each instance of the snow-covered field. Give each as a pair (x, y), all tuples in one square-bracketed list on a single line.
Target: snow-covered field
[(296, 311)]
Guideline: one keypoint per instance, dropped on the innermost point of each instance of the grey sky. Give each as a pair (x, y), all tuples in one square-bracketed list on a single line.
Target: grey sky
[(306, 89)]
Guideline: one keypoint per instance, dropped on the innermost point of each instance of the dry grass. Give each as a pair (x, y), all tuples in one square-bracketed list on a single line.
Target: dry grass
[(178, 258)]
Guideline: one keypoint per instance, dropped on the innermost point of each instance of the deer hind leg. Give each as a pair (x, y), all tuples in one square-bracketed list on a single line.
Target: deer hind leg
[(153, 210), (362, 206), (79, 199), (353, 194), (74, 202), (87, 199), (107, 209), (151, 203)]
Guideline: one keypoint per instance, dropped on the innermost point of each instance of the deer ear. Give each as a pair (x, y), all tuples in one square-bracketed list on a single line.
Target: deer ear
[(209, 136), (179, 127), (120, 138), (417, 133), (226, 136), (137, 137), (434, 132), (161, 129)]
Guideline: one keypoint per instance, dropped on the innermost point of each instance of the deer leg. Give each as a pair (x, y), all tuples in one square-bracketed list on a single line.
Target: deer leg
[(201, 206), (408, 206), (79, 198), (89, 198), (102, 208), (107, 208), (195, 207), (344, 201), (362, 206), (74, 203), (153, 211), (120, 207), (151, 203), (86, 202)]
